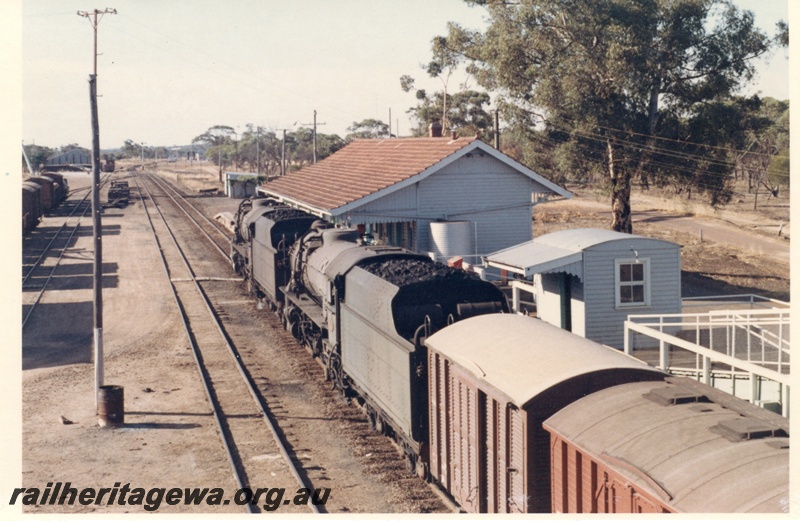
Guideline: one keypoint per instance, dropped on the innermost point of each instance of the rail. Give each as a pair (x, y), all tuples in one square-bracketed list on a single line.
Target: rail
[(81, 204), (239, 475)]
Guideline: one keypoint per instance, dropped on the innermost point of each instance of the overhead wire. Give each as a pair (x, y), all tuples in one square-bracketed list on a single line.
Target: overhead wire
[(654, 149), (665, 166), (663, 152)]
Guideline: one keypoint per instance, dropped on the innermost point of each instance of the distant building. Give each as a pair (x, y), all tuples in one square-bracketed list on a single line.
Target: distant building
[(449, 197), (240, 185), (77, 157), (588, 281)]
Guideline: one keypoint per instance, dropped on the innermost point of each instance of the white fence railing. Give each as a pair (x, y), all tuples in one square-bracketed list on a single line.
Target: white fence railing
[(751, 344)]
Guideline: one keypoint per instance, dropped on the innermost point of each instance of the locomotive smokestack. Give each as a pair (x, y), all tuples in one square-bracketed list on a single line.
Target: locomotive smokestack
[(435, 129)]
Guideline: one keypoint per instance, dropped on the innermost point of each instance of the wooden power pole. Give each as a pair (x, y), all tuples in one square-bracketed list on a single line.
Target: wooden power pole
[(97, 233)]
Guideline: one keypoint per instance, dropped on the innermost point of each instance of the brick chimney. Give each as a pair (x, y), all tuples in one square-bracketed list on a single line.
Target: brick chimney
[(435, 129)]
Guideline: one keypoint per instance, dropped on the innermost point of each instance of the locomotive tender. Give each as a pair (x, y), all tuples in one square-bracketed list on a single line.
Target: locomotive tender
[(493, 406), (363, 309)]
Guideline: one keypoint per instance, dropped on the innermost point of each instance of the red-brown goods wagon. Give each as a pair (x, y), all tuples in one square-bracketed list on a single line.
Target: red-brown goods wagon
[(62, 188), (672, 446), (493, 379), (31, 206), (48, 192)]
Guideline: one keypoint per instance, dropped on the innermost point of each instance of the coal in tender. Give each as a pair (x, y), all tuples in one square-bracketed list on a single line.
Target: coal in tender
[(402, 271), (283, 214)]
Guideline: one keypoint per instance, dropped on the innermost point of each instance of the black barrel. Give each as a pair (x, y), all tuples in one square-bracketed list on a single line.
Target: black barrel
[(110, 405)]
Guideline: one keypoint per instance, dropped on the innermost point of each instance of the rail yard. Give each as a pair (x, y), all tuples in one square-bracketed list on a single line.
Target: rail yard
[(171, 434), (317, 373)]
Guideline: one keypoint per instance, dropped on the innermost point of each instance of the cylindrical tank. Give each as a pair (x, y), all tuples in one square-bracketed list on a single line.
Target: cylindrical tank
[(453, 238)]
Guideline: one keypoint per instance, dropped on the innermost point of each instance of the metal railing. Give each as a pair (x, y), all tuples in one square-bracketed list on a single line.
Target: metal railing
[(750, 344)]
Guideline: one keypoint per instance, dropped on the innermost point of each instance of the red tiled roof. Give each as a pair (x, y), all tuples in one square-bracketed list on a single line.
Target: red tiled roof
[(363, 167)]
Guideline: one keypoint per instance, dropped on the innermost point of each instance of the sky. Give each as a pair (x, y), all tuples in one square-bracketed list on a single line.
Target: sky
[(168, 71)]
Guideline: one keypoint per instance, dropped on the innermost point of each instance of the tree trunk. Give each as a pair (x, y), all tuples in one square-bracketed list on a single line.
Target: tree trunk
[(620, 195)]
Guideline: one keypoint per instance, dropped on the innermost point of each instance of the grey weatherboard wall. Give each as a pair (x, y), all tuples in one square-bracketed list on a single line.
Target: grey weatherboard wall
[(597, 316), (483, 190)]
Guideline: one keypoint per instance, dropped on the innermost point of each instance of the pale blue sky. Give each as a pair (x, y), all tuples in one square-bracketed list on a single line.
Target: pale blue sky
[(169, 70)]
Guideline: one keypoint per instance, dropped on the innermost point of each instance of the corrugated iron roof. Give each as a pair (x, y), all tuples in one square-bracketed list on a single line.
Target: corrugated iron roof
[(363, 167), (522, 356), (555, 250)]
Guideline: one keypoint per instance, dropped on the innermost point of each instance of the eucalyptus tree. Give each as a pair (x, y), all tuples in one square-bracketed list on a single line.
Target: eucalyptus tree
[(219, 144), (367, 129), (611, 85)]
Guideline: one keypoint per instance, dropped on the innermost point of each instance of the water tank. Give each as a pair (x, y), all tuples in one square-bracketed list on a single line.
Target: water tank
[(451, 238)]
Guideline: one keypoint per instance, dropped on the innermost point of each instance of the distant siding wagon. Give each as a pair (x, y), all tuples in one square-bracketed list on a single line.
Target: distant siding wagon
[(63, 186), (31, 206), (48, 193)]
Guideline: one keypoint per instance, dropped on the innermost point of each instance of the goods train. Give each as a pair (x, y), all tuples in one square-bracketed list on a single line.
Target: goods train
[(40, 195), (504, 412)]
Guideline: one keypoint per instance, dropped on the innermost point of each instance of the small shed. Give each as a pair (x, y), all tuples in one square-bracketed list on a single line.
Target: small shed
[(588, 280), (240, 185), (444, 196)]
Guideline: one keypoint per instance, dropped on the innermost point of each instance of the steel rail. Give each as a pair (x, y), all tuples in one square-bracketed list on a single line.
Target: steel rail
[(58, 232), (215, 409), (293, 467), (161, 184), (60, 256), (164, 183)]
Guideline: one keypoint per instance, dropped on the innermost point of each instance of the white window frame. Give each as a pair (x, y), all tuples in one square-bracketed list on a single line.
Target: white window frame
[(618, 284)]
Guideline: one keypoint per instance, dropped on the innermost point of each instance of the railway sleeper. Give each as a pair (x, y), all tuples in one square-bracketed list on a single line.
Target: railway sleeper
[(382, 424)]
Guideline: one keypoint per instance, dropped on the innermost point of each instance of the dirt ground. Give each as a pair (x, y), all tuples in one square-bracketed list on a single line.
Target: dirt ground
[(727, 251), (169, 439)]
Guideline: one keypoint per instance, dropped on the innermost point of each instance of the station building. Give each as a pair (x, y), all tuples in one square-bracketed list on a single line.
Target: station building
[(445, 196)]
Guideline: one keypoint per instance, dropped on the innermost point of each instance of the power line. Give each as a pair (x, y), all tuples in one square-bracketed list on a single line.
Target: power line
[(97, 233), (679, 141)]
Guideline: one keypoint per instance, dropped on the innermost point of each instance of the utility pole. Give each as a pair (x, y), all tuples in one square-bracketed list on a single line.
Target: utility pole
[(283, 153), (97, 235), (258, 153), (314, 134), (92, 17)]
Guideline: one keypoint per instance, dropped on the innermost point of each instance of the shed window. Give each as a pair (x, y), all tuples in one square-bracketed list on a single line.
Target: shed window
[(633, 282)]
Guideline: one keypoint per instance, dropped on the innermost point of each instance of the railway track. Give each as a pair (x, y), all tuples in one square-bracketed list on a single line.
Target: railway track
[(40, 273), (216, 235), (257, 460)]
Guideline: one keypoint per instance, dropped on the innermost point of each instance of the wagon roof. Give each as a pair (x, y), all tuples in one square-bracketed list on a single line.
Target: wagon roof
[(523, 357), (683, 453)]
